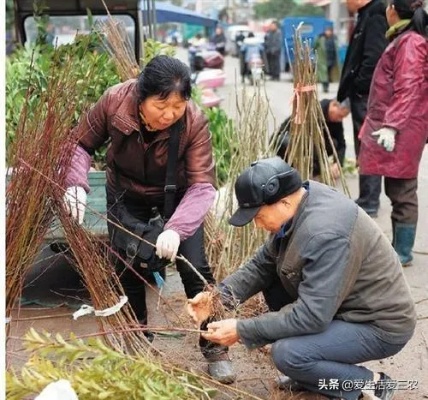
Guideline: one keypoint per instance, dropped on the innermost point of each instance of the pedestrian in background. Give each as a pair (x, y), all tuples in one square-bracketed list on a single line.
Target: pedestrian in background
[(395, 131), (219, 40), (273, 45), (327, 61), (367, 43), (334, 113)]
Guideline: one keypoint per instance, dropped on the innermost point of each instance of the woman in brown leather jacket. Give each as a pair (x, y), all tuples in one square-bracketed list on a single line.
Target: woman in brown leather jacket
[(138, 117)]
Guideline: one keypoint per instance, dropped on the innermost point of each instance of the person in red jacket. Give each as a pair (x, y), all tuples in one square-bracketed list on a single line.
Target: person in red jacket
[(395, 130)]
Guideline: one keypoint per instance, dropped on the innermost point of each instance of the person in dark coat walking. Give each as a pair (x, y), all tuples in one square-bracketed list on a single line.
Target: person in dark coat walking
[(273, 45), (334, 113), (365, 48), (395, 131), (219, 40), (327, 60)]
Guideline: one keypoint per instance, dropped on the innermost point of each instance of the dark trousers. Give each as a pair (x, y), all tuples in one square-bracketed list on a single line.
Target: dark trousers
[(274, 64), (325, 362), (370, 185), (404, 199), (326, 85), (192, 249)]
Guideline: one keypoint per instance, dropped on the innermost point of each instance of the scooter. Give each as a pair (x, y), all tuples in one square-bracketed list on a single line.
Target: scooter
[(207, 74), (255, 67)]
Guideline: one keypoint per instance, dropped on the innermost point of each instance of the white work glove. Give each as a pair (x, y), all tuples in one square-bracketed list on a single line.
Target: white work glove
[(167, 244), (75, 202), (58, 390), (386, 138)]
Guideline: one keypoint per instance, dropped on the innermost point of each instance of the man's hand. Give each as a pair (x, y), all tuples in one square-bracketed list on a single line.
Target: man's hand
[(200, 308), (222, 332), (167, 244), (75, 202), (335, 171), (386, 138)]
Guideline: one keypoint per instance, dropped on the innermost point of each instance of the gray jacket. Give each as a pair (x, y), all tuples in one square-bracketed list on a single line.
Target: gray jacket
[(337, 264), (273, 42)]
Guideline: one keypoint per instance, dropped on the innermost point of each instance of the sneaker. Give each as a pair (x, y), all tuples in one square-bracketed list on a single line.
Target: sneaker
[(222, 371), (284, 382), (385, 387)]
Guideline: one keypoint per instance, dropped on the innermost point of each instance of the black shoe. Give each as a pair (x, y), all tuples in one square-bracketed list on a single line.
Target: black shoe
[(372, 212), (148, 334), (385, 387), (222, 371)]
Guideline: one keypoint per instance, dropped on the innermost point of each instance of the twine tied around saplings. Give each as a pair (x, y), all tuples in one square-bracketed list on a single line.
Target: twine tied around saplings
[(297, 92), (86, 309)]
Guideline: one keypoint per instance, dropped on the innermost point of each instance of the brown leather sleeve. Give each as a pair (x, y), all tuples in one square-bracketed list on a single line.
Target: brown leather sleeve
[(92, 127), (200, 167)]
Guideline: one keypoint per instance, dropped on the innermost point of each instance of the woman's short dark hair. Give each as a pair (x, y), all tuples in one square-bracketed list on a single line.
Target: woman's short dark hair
[(162, 76), (413, 10)]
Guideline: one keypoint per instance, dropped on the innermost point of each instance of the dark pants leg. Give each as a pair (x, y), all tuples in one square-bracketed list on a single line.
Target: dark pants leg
[(404, 199), (193, 250), (370, 185), (321, 361), (133, 286), (274, 65), (404, 216)]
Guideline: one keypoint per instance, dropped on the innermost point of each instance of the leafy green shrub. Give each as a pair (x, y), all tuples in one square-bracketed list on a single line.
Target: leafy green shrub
[(27, 76), (153, 48), (222, 129)]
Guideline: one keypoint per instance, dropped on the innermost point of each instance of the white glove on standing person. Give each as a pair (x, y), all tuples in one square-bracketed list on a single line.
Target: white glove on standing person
[(75, 202), (386, 138), (167, 244)]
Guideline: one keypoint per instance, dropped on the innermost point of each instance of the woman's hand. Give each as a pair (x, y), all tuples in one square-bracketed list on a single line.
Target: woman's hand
[(222, 332), (200, 307), (167, 244)]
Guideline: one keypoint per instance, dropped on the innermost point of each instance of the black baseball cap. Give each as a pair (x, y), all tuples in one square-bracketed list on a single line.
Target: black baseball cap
[(266, 181)]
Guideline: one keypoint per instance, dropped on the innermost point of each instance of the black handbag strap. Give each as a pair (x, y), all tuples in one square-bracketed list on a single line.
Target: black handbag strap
[(171, 172), (170, 187)]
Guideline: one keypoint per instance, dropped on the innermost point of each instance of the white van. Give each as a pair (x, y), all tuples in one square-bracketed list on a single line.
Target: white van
[(231, 33)]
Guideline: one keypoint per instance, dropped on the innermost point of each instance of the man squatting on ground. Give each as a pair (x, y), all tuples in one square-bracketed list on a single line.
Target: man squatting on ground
[(334, 285)]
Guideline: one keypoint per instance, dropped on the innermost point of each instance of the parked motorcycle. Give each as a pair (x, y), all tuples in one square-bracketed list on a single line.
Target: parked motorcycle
[(206, 65)]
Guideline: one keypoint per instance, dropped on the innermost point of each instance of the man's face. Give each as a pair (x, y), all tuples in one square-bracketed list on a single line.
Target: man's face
[(272, 216), (336, 112)]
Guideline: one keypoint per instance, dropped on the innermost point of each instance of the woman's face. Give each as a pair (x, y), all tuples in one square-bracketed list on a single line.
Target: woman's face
[(160, 114)]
